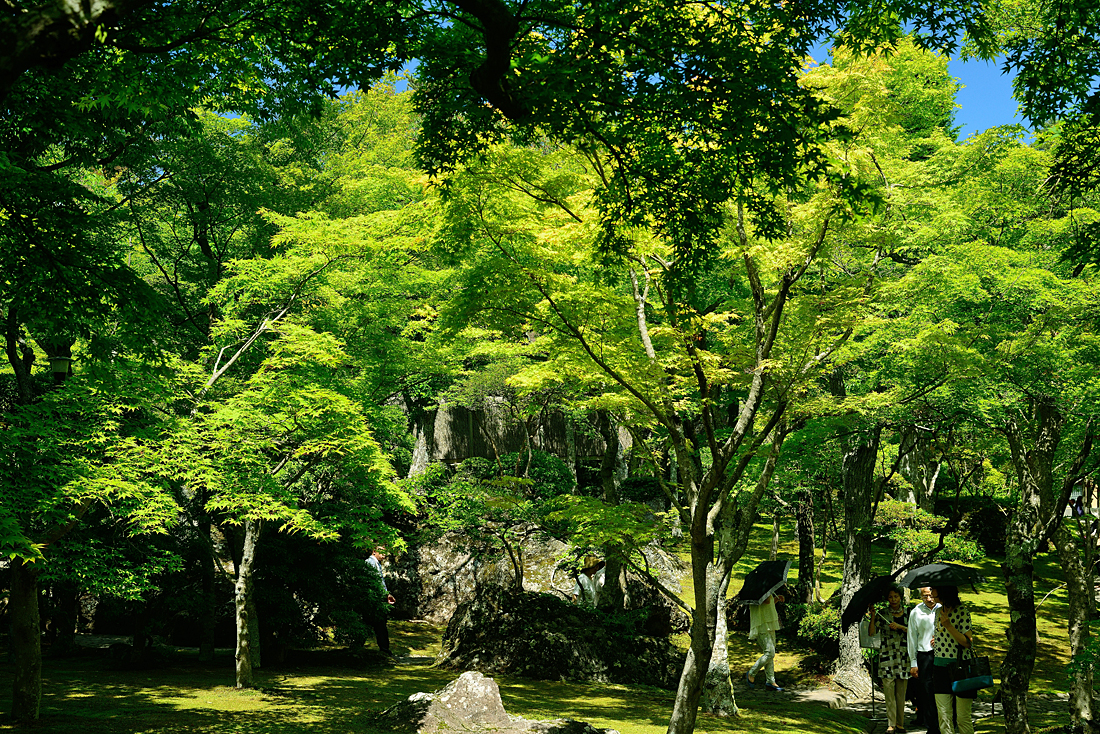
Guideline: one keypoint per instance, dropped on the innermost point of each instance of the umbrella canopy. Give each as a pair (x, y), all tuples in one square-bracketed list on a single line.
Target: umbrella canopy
[(762, 581), (941, 574), (864, 597)]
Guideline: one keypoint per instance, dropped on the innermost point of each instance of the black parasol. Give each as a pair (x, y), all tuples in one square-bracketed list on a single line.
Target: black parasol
[(762, 581), (865, 596), (941, 574)]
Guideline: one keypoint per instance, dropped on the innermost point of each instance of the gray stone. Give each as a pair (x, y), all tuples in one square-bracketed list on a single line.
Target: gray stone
[(433, 579), (544, 637), (470, 703)]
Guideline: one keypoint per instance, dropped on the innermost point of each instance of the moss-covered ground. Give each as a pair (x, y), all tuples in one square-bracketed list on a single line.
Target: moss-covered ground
[(330, 691)]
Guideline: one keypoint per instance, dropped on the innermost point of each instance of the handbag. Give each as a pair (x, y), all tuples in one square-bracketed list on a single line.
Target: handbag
[(866, 639), (971, 674)]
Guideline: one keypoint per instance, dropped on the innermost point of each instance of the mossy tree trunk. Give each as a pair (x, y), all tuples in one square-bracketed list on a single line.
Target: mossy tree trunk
[(1034, 436), (1078, 580), (207, 601), (244, 608), (26, 643), (858, 469), (732, 529), (66, 595), (613, 596), (807, 559)]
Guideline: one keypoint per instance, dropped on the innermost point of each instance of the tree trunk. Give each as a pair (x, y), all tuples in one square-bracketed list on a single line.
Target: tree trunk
[(66, 598), (732, 529), (858, 468), (571, 446), (718, 696), (139, 650), (685, 707), (208, 604), (1020, 658), (774, 551), (613, 595), (920, 467), (243, 594), (1034, 453), (254, 647), (804, 516), (26, 643), (1071, 552)]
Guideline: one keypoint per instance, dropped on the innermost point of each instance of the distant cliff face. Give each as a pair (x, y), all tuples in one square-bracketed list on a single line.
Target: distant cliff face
[(452, 434)]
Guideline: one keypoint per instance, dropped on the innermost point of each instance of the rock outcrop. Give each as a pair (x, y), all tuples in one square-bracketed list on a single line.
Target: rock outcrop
[(432, 580), (470, 703), (545, 637)]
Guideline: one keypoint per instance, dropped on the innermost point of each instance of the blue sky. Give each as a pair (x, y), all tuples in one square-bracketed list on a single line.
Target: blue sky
[(986, 99)]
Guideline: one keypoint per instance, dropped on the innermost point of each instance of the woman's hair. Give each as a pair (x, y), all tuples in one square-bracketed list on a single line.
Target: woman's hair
[(948, 596), (895, 589)]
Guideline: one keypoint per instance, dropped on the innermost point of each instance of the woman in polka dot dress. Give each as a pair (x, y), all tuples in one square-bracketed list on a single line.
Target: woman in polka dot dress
[(951, 635)]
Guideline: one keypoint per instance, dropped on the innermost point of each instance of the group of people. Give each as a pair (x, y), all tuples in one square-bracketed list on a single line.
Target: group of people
[(924, 645)]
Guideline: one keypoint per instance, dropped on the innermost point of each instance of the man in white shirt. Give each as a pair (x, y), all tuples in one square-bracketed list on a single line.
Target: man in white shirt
[(922, 624)]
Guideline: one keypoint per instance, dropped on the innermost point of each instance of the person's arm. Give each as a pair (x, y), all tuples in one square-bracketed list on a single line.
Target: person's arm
[(911, 643), (962, 638), (874, 618)]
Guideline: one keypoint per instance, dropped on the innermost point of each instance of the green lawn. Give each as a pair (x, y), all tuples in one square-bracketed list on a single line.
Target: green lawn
[(334, 692), (90, 696)]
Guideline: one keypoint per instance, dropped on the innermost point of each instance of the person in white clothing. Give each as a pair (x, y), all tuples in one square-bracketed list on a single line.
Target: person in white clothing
[(589, 582), (922, 624), (763, 623)]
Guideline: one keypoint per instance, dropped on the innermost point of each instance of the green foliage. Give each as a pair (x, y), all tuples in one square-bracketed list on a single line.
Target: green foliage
[(310, 592), (475, 468), (819, 628), (549, 475), (594, 526), (119, 570), (86, 443), (918, 531)]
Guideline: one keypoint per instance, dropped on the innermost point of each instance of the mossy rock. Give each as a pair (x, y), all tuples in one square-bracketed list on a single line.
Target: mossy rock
[(541, 636)]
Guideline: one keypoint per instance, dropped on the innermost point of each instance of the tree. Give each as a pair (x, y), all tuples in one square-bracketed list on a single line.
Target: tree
[(1012, 326), (694, 365), (83, 444)]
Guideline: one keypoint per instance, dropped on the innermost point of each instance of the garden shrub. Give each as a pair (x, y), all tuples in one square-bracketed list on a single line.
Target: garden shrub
[(642, 489), (819, 629), (549, 475), (476, 468)]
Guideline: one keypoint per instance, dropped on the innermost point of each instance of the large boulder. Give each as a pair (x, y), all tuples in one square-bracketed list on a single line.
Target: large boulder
[(545, 637), (470, 703), (433, 579)]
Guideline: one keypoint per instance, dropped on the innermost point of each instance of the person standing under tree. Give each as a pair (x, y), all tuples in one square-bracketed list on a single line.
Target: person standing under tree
[(922, 624), (763, 623), (893, 658), (588, 582), (381, 631), (952, 642)]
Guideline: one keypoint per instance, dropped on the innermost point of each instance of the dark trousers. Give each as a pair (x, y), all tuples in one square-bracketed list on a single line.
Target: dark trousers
[(926, 699), (382, 636)]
